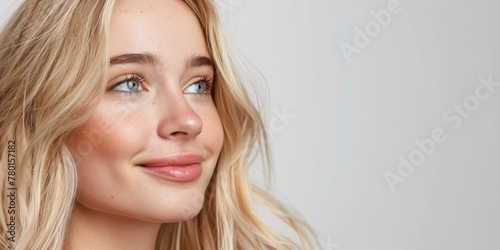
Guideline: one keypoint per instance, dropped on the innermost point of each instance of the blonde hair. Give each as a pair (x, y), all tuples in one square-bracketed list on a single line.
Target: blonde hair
[(52, 75)]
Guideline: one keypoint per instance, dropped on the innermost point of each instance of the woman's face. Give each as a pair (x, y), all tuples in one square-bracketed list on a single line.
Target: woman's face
[(150, 149)]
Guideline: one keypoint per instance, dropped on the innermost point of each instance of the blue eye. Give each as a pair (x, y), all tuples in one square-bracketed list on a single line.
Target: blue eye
[(127, 85), (130, 85), (199, 87)]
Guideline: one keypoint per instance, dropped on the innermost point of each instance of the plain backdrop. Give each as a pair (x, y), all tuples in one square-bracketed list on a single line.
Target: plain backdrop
[(385, 129)]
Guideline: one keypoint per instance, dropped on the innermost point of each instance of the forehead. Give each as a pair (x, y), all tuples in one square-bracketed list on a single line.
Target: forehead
[(167, 28)]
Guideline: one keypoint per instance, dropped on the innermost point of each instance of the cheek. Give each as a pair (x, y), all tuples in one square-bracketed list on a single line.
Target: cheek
[(213, 130), (102, 148), (107, 137)]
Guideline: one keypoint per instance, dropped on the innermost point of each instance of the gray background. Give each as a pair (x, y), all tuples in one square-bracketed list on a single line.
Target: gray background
[(339, 125)]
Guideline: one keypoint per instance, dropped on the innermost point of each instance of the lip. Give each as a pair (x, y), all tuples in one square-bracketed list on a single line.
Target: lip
[(179, 167)]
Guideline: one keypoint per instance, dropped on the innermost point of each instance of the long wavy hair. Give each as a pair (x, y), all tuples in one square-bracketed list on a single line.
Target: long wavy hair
[(53, 68)]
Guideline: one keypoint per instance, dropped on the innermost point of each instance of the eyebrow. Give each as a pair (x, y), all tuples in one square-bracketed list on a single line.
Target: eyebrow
[(200, 61), (148, 58), (140, 58)]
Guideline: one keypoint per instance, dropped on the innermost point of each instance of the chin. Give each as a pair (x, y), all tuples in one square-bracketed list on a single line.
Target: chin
[(185, 206)]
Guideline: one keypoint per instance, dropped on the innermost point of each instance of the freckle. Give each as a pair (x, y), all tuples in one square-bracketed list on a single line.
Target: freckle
[(112, 197)]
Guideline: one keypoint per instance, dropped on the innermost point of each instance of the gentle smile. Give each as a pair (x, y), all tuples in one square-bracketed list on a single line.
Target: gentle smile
[(179, 167)]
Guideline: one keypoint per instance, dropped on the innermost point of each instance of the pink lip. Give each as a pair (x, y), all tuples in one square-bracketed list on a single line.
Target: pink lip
[(180, 167)]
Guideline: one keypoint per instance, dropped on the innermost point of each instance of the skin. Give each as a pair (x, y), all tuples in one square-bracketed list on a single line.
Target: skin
[(165, 110)]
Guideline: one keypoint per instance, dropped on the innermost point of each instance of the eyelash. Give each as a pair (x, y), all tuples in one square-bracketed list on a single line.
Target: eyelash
[(138, 77), (208, 85)]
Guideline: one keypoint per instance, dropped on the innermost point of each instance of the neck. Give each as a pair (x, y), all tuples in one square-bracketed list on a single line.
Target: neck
[(90, 229)]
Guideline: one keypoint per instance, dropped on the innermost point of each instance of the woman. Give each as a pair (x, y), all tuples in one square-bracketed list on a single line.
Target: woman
[(129, 129)]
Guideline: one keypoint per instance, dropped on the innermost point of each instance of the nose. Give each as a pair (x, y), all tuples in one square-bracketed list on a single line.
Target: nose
[(178, 119)]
